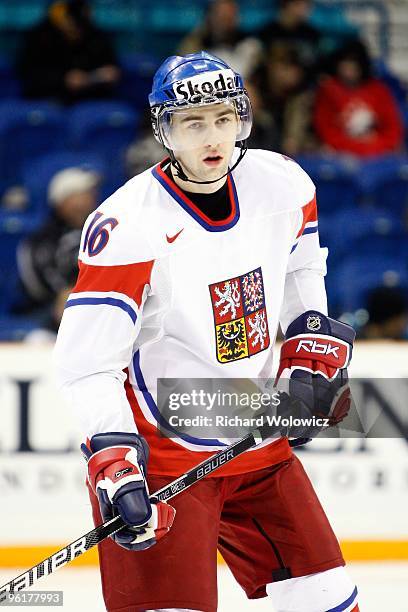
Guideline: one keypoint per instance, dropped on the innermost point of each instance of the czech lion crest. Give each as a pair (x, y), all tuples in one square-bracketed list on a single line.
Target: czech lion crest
[(240, 318)]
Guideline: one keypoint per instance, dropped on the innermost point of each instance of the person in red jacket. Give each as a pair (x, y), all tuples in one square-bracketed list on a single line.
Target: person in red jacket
[(355, 112)]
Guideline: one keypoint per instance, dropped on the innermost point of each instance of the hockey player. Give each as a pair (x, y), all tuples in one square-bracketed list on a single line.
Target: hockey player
[(187, 271)]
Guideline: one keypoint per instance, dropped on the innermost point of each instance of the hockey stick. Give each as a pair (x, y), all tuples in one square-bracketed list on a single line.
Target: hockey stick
[(90, 539)]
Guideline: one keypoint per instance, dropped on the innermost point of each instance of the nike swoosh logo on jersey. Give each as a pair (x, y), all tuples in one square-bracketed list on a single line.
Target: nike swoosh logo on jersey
[(171, 239)]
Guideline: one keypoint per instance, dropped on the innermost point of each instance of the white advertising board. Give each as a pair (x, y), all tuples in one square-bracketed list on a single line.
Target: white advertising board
[(363, 484)]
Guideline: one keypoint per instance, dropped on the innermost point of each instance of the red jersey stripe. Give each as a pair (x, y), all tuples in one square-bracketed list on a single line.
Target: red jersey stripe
[(309, 212), (128, 279)]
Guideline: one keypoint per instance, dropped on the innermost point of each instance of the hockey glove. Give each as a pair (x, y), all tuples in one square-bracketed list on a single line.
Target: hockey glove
[(313, 365), (117, 467)]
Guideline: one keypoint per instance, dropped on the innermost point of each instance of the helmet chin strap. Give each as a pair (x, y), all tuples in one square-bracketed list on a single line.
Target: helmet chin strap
[(182, 175)]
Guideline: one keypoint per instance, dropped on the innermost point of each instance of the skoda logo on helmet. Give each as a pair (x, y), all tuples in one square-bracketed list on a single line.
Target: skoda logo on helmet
[(206, 84)]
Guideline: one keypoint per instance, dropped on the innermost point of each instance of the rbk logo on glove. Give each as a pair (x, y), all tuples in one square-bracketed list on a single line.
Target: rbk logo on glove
[(319, 355), (317, 344), (312, 346), (123, 472), (314, 359)]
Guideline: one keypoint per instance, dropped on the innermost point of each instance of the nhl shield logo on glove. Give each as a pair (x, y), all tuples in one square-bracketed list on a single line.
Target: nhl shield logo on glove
[(313, 323)]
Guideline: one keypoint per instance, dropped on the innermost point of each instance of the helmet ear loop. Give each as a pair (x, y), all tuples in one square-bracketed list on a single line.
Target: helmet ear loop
[(154, 119), (175, 162), (155, 128), (241, 123), (243, 145)]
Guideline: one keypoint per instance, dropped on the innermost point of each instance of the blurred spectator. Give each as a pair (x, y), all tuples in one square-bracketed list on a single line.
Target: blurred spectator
[(355, 112), (48, 259), (388, 314), (290, 30), (282, 103), (47, 332), (220, 35), (66, 57)]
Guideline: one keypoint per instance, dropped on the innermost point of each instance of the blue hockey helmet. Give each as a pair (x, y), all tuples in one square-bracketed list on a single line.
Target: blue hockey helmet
[(196, 79)]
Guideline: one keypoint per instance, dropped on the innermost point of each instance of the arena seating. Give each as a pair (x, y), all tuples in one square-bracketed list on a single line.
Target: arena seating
[(362, 205), (358, 274), (27, 130)]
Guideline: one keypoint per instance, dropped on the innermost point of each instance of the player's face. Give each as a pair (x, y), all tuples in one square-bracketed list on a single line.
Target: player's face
[(204, 140)]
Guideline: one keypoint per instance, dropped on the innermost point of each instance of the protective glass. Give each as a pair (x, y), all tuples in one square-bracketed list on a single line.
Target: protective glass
[(198, 125)]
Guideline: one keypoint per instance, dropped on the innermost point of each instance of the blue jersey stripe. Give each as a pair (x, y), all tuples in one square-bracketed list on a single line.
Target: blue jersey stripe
[(345, 604), (307, 230), (103, 300)]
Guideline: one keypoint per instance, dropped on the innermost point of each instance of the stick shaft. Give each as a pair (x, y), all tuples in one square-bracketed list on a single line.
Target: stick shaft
[(93, 537)]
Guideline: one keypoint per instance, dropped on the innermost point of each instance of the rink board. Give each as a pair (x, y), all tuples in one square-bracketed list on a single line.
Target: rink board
[(363, 487)]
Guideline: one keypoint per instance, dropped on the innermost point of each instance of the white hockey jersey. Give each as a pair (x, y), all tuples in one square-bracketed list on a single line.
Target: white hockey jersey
[(164, 292)]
